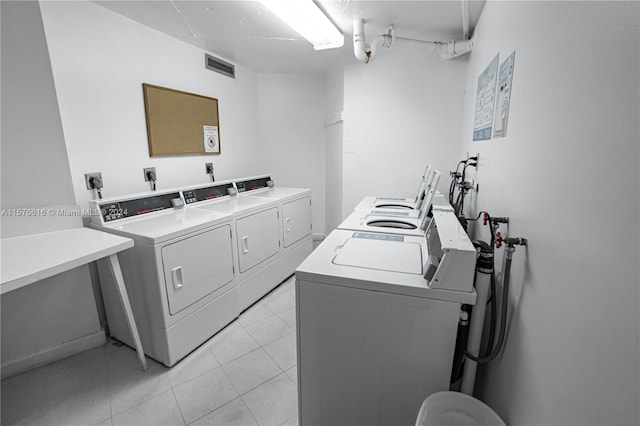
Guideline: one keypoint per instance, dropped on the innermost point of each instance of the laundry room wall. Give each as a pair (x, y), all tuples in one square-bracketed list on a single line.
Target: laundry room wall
[(567, 176), (333, 146), (99, 61), (401, 111), (292, 134), (55, 317)]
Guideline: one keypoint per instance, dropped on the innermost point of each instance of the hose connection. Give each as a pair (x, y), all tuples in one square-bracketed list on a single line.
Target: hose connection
[(510, 242)]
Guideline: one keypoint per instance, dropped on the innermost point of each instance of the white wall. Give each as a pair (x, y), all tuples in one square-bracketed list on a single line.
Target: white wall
[(333, 146), (35, 169), (292, 135), (567, 175), (99, 61), (402, 110), (47, 319)]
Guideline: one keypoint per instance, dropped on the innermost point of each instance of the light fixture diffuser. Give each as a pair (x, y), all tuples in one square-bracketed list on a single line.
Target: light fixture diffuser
[(306, 18)]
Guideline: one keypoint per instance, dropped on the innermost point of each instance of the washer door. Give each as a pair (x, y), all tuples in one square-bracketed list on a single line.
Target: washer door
[(197, 266)]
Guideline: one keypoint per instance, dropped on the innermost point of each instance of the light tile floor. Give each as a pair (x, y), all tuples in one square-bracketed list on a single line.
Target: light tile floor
[(244, 375)]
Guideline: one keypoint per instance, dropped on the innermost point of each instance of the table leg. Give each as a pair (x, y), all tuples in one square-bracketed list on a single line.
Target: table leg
[(126, 307)]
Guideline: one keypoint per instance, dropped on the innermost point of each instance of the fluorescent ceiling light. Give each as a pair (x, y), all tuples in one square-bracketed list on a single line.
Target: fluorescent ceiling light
[(306, 18)]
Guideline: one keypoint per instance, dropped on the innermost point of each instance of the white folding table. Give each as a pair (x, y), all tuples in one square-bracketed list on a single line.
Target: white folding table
[(30, 258)]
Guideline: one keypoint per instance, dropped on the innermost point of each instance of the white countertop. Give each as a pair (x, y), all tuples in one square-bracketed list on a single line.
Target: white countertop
[(30, 258)]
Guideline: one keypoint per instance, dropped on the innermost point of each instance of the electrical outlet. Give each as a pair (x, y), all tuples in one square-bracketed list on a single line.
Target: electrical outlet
[(146, 173), (476, 155), (88, 176), (208, 167)]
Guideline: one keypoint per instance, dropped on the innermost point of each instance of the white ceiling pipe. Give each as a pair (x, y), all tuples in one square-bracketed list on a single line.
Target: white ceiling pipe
[(363, 52), (465, 19), (453, 49), (446, 49), (359, 45), (412, 42)]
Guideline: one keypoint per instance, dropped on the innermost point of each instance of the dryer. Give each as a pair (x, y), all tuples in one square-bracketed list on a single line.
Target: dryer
[(271, 227), (295, 204), (295, 227), (179, 274), (377, 322)]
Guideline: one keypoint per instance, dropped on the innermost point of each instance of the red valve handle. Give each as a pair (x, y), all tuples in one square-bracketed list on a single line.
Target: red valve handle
[(499, 239)]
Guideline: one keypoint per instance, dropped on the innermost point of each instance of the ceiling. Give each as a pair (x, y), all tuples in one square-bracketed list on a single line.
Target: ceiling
[(246, 33)]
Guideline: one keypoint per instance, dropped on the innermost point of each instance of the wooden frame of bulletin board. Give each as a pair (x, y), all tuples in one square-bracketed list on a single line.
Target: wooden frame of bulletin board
[(180, 123)]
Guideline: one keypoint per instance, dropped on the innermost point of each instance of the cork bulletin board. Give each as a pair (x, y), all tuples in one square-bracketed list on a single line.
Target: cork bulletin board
[(180, 123)]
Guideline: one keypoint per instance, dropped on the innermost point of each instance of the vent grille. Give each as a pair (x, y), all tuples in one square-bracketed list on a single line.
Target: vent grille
[(218, 65)]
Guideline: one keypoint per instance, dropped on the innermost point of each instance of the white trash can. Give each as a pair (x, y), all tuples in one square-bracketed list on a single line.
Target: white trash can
[(456, 409)]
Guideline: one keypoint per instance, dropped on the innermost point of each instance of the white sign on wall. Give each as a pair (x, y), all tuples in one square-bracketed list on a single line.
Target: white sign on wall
[(503, 97), (485, 102), (211, 139)]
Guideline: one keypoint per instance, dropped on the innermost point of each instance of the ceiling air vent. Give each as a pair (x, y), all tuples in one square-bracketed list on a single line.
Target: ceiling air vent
[(218, 65)]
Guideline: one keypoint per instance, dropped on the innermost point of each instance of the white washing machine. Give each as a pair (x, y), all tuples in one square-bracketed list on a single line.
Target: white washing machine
[(375, 337), (395, 222), (370, 203), (271, 226), (179, 274), (428, 191)]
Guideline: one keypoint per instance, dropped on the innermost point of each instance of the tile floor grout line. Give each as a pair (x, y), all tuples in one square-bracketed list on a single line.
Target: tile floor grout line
[(250, 412), (108, 387), (44, 389), (260, 384), (173, 391), (249, 408), (257, 321), (245, 402), (273, 359), (214, 357)]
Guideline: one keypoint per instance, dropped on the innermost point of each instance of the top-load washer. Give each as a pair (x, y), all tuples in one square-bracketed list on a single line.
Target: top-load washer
[(272, 233), (376, 202), (427, 191), (179, 275), (365, 221), (377, 322)]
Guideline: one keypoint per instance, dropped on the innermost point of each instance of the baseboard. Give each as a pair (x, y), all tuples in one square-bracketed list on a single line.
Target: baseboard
[(318, 237), (51, 354)]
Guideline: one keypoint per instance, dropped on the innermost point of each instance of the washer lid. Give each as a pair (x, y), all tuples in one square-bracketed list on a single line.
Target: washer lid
[(381, 254)]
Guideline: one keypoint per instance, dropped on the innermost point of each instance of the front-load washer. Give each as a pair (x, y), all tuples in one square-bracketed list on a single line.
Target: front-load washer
[(374, 336), (179, 275), (401, 203)]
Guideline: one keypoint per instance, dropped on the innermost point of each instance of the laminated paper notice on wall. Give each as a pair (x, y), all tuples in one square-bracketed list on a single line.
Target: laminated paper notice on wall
[(211, 139), (503, 98), (485, 102)]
